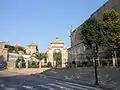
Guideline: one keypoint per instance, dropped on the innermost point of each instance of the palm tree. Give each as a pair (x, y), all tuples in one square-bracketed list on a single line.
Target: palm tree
[(39, 56)]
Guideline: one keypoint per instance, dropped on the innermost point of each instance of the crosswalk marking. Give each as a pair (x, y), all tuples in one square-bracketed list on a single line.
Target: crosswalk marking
[(59, 86), (2, 85), (67, 86), (93, 88), (46, 87), (81, 88), (52, 86), (9, 88), (27, 87)]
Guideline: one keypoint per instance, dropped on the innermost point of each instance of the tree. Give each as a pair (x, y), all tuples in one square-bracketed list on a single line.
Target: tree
[(19, 48), (92, 32), (10, 48), (15, 48), (49, 64), (39, 56), (57, 57), (104, 32), (45, 57), (111, 25)]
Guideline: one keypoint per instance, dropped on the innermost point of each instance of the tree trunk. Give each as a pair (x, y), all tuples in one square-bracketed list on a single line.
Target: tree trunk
[(115, 58), (26, 64), (39, 64), (99, 62), (114, 63)]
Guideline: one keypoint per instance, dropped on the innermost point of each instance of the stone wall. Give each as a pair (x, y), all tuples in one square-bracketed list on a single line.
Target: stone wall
[(11, 64), (111, 4), (3, 51)]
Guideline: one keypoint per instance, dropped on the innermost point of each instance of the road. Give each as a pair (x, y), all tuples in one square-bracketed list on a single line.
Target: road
[(10, 81)]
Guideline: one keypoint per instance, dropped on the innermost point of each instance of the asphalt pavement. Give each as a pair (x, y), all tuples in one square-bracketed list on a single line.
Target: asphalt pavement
[(108, 77), (10, 81)]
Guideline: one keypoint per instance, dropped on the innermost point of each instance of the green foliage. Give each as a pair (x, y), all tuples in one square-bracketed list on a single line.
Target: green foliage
[(45, 57), (92, 32), (33, 64), (49, 64), (45, 60), (57, 56), (14, 48), (23, 62), (111, 24), (19, 48), (10, 48), (118, 61), (103, 32), (110, 15), (40, 56)]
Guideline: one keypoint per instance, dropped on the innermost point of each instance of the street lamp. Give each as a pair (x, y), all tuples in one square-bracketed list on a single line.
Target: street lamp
[(95, 56)]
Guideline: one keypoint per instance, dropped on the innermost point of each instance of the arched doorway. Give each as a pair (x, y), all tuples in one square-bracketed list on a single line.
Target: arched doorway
[(57, 57)]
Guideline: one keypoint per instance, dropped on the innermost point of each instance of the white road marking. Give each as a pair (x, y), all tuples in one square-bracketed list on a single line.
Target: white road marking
[(61, 87), (46, 87), (9, 88), (2, 85), (27, 87), (53, 71), (83, 86), (68, 85)]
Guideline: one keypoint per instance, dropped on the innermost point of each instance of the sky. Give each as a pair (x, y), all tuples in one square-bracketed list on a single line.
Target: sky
[(40, 21)]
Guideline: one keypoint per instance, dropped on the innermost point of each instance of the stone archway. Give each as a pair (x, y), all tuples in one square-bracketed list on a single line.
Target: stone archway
[(57, 46)]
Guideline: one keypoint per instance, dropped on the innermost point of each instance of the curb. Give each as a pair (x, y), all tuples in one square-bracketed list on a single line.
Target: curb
[(73, 81), (25, 71), (14, 72)]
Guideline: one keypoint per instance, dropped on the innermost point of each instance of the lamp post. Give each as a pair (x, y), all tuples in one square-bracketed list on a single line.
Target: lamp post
[(95, 56)]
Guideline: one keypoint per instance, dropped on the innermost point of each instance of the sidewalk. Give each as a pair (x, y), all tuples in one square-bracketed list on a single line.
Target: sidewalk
[(27, 71), (108, 77)]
